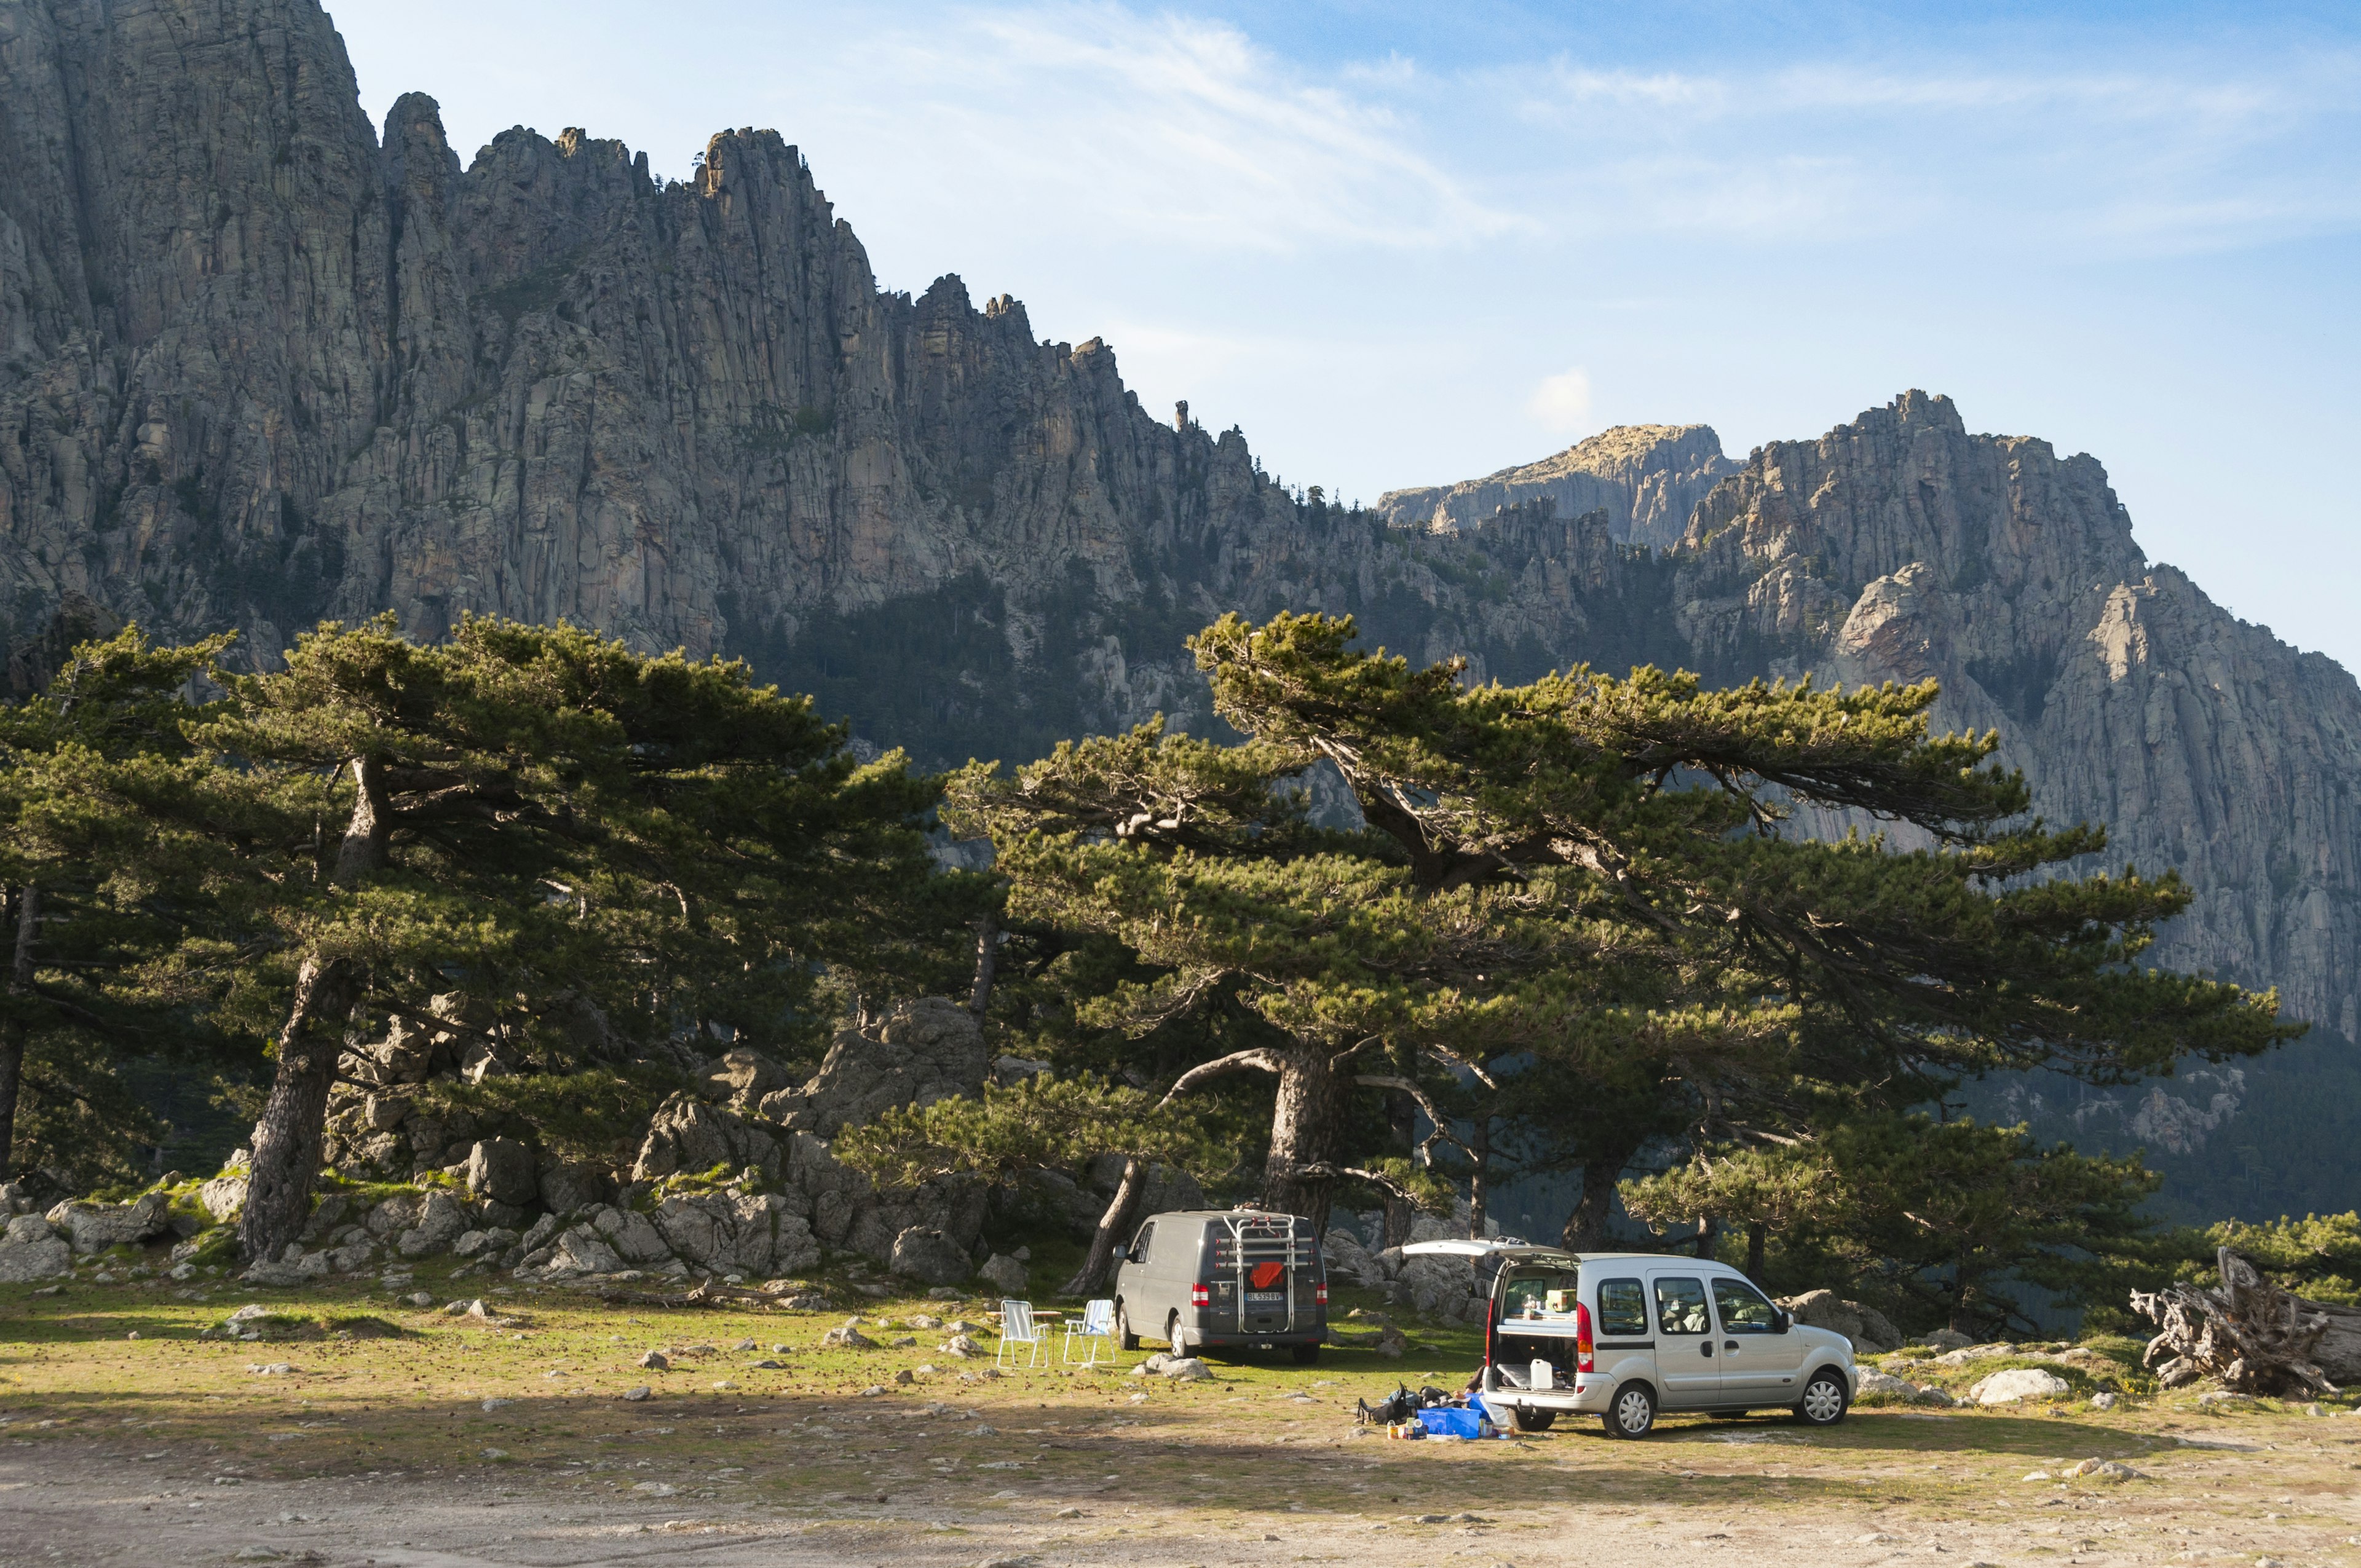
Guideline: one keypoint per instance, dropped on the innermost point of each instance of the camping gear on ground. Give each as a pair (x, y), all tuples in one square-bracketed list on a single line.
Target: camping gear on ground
[(1096, 1331), (1468, 1421), (1018, 1327)]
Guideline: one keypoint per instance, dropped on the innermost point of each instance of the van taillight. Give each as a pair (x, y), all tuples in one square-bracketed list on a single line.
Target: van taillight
[(1585, 1358), (1201, 1295), (1320, 1294)]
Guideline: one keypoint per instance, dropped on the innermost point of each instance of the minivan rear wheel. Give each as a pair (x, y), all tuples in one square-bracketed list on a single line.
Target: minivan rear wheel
[(1824, 1399), (1634, 1412), (1174, 1336)]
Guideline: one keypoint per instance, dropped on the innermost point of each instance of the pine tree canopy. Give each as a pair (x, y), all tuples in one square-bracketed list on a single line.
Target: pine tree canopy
[(1601, 872), (596, 848)]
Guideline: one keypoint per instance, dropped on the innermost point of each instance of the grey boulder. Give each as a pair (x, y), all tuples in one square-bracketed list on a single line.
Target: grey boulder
[(1003, 1273), (632, 1236), (441, 1221), (30, 1250), (925, 1050), (502, 1170), (736, 1234), (1868, 1327), (223, 1197), (924, 1252), (95, 1227), (686, 1135)]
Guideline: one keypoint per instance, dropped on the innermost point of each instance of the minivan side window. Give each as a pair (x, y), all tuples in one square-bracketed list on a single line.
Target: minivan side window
[(1139, 1245), (1680, 1307), (1743, 1311), (1622, 1309)]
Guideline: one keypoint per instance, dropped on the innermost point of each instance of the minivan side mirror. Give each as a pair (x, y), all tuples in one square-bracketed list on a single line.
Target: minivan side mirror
[(1782, 1319)]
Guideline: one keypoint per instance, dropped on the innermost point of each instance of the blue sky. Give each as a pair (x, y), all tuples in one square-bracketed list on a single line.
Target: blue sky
[(1405, 243)]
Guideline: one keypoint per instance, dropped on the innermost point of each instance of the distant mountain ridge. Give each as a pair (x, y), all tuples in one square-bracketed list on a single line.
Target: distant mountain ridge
[(260, 364)]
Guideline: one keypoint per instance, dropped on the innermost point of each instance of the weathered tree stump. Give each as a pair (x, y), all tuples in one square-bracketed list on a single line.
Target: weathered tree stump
[(2245, 1333)]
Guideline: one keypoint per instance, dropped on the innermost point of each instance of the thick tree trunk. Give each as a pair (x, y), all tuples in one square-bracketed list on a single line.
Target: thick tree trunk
[(1757, 1235), (12, 1029), (1114, 1224), (1586, 1228), (292, 1133), (1401, 1121), (288, 1140), (1709, 1232), (1305, 1126)]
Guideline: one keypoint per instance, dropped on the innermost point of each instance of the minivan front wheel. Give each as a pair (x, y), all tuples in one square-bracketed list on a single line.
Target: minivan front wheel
[(1124, 1335), (1824, 1400), (1633, 1413)]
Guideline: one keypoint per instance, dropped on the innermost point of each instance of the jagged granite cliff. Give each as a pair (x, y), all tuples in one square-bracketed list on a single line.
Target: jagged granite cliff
[(259, 363)]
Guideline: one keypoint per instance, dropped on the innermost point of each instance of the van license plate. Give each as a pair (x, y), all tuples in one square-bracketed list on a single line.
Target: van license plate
[(1266, 1297)]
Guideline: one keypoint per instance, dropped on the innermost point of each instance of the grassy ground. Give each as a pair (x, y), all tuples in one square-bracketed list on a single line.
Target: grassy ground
[(380, 1395)]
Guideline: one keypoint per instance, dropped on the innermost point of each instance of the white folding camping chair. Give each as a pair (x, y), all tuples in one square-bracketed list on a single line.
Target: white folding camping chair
[(1096, 1327), (1018, 1327)]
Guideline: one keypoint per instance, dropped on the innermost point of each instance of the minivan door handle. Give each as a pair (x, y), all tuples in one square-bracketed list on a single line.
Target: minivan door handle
[(1705, 1349), (1730, 1344)]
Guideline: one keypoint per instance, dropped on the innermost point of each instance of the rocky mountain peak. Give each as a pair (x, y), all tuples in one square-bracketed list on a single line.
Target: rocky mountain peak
[(1645, 478)]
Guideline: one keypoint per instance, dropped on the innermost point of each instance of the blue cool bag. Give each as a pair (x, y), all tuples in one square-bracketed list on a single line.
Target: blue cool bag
[(1448, 1420)]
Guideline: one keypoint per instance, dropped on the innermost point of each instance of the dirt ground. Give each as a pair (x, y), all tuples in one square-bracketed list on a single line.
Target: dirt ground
[(425, 1439)]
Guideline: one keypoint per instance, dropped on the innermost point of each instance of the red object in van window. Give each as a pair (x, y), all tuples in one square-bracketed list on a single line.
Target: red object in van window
[(1585, 1358), (1266, 1275)]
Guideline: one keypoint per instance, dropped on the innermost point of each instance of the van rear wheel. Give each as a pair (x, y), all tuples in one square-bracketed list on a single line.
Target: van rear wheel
[(1175, 1336), (1633, 1413), (1530, 1420)]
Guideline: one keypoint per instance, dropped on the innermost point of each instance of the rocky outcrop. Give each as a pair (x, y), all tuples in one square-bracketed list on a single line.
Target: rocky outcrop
[(95, 1227), (1646, 479), (924, 1051), (1871, 1331), (689, 1136), (30, 1250)]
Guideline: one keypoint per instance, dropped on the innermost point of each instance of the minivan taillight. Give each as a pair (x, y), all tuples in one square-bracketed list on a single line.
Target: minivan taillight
[(1585, 1356), (1201, 1295), (1320, 1294)]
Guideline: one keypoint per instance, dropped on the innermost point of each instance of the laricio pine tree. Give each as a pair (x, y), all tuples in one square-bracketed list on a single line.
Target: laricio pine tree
[(112, 850), (548, 823), (1597, 870)]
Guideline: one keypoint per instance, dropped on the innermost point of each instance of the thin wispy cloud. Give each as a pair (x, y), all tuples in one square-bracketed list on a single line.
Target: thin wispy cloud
[(1165, 125), (2165, 158)]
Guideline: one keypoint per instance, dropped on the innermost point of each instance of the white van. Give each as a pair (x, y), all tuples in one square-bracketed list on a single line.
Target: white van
[(1621, 1336)]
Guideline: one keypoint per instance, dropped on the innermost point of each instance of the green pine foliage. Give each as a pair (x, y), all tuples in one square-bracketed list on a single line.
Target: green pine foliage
[(115, 849), (1594, 880), (1041, 1123)]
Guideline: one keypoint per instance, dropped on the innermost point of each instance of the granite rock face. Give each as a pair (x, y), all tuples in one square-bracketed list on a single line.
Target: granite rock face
[(1647, 478)]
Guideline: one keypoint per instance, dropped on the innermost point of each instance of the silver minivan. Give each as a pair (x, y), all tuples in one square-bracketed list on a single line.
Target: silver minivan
[(1622, 1335)]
